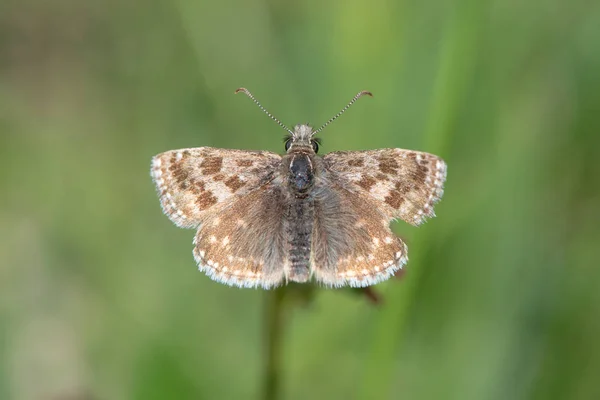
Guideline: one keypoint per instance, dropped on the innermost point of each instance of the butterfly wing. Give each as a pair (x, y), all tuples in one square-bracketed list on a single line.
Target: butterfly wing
[(191, 182), (234, 198), (359, 193), (244, 244), (352, 243), (403, 183)]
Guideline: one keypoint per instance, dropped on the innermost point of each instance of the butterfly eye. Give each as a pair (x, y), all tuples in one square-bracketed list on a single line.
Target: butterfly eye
[(288, 143), (315, 145)]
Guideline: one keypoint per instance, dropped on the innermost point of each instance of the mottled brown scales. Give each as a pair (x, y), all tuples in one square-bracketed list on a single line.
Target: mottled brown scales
[(244, 163), (218, 177), (403, 187), (381, 177), (205, 199), (211, 165), (388, 165), (196, 186), (357, 162), (394, 199), (366, 182), (234, 183), (420, 174), (179, 174)]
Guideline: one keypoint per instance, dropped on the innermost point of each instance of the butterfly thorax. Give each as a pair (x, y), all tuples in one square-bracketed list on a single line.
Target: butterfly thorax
[(299, 160), (301, 175)]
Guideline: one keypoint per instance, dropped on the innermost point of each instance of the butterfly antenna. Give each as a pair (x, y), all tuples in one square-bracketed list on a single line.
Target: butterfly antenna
[(247, 93), (358, 96)]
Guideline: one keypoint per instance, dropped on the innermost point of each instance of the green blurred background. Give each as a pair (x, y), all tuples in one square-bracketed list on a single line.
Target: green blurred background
[(100, 296)]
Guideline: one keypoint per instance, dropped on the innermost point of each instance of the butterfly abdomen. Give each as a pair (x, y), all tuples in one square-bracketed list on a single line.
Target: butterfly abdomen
[(299, 225)]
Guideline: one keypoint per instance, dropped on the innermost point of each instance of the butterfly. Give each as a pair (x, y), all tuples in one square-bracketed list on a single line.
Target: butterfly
[(265, 219)]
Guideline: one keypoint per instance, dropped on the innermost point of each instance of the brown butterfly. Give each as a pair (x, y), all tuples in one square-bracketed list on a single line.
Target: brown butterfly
[(263, 219)]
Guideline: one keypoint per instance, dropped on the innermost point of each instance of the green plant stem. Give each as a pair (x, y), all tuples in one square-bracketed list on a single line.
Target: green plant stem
[(274, 337)]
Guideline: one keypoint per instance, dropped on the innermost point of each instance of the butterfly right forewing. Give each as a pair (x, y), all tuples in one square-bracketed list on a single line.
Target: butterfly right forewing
[(405, 184)]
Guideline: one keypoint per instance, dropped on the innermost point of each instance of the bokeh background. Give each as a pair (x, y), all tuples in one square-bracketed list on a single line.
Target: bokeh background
[(100, 296)]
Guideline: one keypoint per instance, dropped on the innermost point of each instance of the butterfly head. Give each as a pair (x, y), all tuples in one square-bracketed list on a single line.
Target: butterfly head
[(301, 140)]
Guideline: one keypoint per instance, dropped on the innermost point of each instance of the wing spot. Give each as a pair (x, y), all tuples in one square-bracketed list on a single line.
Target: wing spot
[(244, 163), (213, 239), (367, 182), (205, 199), (225, 241), (211, 165), (376, 242), (394, 199), (388, 165), (202, 253), (234, 183), (389, 240), (357, 162)]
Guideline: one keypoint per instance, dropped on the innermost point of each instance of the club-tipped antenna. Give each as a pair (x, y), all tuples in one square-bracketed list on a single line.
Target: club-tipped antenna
[(358, 96), (247, 93)]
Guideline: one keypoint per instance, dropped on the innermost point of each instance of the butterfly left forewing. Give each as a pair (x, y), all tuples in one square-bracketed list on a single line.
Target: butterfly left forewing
[(193, 182)]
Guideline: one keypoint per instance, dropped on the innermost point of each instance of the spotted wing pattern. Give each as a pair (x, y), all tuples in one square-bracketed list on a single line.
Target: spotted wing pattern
[(190, 182), (404, 184)]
